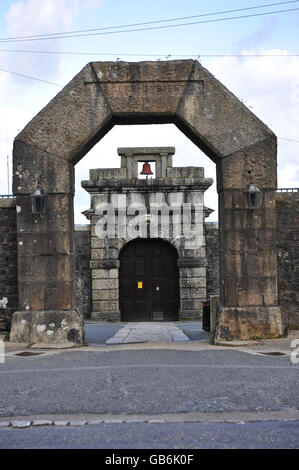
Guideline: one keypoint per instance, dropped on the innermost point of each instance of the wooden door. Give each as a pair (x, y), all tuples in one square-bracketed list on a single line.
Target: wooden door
[(149, 289)]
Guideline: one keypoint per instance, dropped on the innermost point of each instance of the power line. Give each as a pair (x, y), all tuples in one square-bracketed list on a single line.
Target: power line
[(146, 55), (149, 22), (148, 28), (290, 140), (29, 76)]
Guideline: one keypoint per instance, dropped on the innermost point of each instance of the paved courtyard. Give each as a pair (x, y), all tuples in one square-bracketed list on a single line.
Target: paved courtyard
[(148, 331), (143, 332)]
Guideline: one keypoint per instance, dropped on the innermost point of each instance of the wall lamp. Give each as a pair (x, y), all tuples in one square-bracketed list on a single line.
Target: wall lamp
[(253, 196), (38, 201)]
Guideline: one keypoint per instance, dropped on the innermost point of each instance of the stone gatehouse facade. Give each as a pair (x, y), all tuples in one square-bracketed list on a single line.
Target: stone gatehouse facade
[(167, 206)]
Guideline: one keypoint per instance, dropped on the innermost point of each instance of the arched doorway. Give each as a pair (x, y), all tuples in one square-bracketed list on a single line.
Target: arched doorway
[(148, 281)]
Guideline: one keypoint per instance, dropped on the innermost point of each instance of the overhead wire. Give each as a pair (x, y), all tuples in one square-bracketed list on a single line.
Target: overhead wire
[(144, 55), (150, 22), (30, 76), (290, 140), (146, 29)]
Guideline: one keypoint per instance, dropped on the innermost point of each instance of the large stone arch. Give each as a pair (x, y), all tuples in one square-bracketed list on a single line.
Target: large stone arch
[(107, 93)]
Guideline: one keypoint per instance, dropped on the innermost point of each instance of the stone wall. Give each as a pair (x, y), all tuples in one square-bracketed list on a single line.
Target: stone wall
[(8, 265), (212, 254), (83, 271), (8, 262), (287, 211)]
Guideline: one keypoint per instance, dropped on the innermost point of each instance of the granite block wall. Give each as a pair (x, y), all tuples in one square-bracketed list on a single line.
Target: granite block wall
[(8, 262), (287, 212)]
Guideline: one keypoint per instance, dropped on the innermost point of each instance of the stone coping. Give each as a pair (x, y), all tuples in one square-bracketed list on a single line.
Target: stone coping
[(211, 225), (200, 184), (129, 151), (82, 228), (6, 202)]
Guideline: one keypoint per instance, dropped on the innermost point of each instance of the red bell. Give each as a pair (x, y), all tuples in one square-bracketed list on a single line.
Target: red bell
[(146, 170)]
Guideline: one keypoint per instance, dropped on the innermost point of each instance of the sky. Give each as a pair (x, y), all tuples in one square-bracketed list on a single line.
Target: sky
[(269, 85)]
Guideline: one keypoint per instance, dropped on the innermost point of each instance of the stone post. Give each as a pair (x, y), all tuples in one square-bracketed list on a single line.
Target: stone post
[(46, 270), (248, 265)]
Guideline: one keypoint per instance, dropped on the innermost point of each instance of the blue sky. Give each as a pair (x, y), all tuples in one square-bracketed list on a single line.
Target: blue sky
[(269, 86)]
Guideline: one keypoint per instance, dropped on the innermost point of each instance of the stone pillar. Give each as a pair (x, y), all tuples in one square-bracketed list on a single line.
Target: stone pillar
[(45, 245), (248, 272)]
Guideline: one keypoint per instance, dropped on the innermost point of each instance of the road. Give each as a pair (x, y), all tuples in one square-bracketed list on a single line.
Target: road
[(258, 435), (259, 391)]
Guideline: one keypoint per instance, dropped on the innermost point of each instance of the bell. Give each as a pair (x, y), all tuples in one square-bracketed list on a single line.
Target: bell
[(146, 170)]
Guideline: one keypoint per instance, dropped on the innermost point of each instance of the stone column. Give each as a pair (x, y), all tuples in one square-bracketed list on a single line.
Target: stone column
[(45, 245), (248, 265)]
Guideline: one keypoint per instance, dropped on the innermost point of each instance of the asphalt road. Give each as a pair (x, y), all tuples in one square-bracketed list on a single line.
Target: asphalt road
[(261, 435), (155, 382), (146, 381)]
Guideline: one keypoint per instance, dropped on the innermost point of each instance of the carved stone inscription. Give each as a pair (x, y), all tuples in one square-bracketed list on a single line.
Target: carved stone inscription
[(114, 90), (159, 96)]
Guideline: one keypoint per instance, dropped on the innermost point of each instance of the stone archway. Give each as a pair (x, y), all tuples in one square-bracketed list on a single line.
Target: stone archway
[(107, 93)]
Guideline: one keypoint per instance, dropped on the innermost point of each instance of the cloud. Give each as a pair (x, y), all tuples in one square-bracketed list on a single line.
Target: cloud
[(269, 86), (33, 17), (258, 37), (36, 17), (21, 98), (40, 17)]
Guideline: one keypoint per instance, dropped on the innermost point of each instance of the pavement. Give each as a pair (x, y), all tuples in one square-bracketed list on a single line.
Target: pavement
[(161, 335), (143, 332), (148, 332), (175, 393)]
